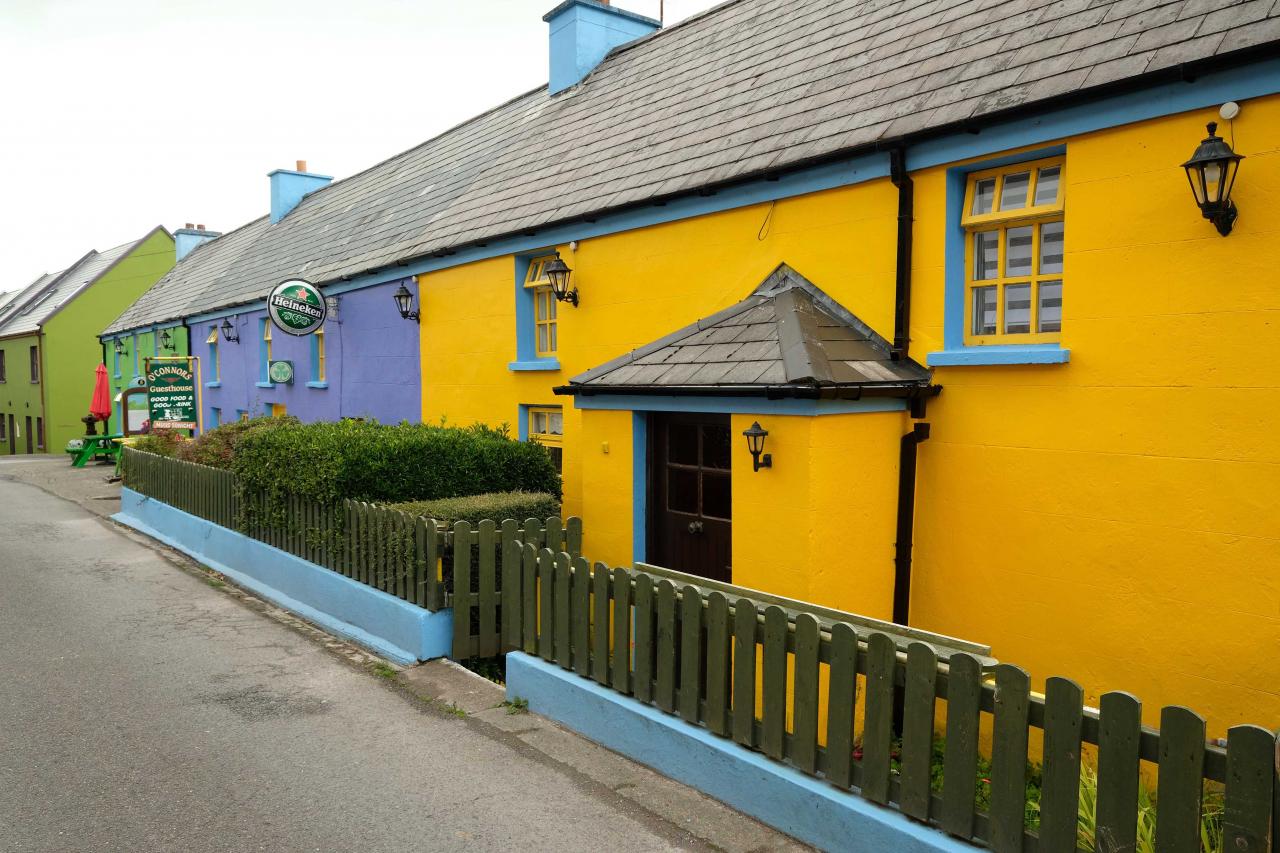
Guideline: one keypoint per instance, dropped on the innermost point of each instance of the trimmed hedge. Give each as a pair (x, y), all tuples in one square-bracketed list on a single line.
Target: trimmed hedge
[(367, 461), (162, 442), (498, 506), (216, 447)]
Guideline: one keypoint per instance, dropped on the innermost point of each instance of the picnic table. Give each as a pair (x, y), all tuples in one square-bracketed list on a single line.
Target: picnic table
[(81, 450)]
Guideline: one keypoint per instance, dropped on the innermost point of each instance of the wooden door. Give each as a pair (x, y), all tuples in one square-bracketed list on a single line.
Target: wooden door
[(690, 517), (30, 446)]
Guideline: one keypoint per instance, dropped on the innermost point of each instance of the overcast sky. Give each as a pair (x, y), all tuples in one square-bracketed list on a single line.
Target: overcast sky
[(119, 115)]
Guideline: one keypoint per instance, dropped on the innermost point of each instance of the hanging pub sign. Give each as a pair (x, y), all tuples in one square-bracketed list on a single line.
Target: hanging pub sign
[(281, 372), (296, 307), (171, 393)]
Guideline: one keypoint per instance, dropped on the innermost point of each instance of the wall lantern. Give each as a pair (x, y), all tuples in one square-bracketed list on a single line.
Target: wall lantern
[(1212, 172), (755, 443), (119, 347), (166, 339), (558, 272), (229, 333), (404, 303)]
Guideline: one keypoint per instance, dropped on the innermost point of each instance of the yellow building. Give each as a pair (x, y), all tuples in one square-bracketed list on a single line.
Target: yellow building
[(1002, 282)]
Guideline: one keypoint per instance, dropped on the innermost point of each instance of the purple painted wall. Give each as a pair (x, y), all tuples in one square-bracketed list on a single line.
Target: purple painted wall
[(371, 355)]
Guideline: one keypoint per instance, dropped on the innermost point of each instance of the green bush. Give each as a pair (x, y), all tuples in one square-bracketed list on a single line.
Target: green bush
[(216, 447), (498, 506), (361, 460), (162, 442)]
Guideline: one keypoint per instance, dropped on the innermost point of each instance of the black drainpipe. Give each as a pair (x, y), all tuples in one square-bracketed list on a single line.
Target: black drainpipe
[(906, 213), (906, 521)]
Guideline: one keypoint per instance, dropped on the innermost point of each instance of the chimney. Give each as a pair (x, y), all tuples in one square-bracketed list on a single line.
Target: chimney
[(290, 186), (187, 238), (582, 34)]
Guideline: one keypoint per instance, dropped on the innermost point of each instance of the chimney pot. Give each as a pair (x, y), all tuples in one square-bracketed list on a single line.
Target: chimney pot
[(200, 227), (302, 165), (190, 225)]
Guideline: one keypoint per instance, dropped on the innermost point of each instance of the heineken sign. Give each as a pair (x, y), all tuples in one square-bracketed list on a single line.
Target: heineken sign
[(296, 307), (171, 394)]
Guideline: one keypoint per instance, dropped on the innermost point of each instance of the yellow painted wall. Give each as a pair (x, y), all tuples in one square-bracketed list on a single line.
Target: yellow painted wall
[(1115, 519)]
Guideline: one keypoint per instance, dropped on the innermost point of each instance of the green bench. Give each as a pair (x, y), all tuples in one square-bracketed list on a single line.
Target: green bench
[(81, 450)]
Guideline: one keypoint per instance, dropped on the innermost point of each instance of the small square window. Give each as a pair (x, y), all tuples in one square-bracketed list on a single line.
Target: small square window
[(986, 255), (1017, 309), (1017, 252), (1051, 247), (984, 195), (1047, 185), (984, 310), (1050, 306), (1013, 195)]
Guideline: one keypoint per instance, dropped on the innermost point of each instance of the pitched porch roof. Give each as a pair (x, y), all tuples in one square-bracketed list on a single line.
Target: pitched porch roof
[(787, 339)]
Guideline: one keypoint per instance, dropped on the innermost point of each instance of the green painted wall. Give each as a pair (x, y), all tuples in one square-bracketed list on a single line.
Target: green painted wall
[(19, 396), (127, 370), (71, 344)]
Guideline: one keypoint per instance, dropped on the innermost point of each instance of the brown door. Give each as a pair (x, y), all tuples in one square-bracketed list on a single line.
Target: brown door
[(30, 446), (690, 497), (13, 439)]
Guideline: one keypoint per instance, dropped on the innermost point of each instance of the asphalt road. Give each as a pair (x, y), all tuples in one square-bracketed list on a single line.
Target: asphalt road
[(141, 710)]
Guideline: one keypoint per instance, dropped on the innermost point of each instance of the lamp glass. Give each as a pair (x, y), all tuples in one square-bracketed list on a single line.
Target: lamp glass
[(404, 301)]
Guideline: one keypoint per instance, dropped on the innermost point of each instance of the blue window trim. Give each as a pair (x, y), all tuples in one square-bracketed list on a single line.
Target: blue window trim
[(215, 417), (116, 358), (320, 385), (527, 357), (264, 368), (522, 422), (639, 486), (215, 381), (315, 382), (954, 352)]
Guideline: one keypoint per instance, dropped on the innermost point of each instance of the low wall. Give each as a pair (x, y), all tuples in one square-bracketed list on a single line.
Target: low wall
[(799, 805), (393, 628)]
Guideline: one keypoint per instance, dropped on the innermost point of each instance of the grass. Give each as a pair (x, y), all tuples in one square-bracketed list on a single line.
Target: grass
[(516, 705), (384, 670), (215, 583)]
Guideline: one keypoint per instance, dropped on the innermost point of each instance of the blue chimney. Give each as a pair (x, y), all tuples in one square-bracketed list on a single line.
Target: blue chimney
[(288, 187), (582, 34), (186, 239)]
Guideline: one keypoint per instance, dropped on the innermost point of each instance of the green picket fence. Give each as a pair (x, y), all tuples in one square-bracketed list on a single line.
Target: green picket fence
[(413, 558), (754, 672)]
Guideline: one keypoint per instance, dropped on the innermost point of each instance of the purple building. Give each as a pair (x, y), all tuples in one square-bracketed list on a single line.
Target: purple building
[(362, 363)]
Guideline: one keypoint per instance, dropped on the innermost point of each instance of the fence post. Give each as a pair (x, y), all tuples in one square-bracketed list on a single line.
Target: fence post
[(1060, 788), (919, 700), (1009, 758), (960, 763), (1180, 780), (1251, 771)]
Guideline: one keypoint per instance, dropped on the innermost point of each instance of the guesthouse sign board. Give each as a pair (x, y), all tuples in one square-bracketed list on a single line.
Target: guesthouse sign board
[(296, 307), (171, 393)]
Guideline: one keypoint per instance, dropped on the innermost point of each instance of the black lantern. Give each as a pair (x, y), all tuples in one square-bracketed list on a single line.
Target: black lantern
[(756, 435), (558, 273), (119, 347), (404, 303), (229, 333), (166, 339), (1212, 172)]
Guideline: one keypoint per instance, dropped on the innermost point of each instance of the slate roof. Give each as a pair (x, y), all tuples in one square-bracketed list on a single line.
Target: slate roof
[(749, 88), (46, 295), (787, 339)]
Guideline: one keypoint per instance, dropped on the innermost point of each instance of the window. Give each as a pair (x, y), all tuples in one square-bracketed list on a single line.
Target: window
[(264, 353), (4, 377), (215, 365), (115, 358), (242, 414), (1014, 226), (546, 425), (35, 364), (215, 418), (318, 373), (277, 410), (544, 308), (40, 433), (4, 430)]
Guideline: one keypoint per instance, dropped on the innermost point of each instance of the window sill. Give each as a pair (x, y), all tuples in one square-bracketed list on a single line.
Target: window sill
[(1000, 354), (321, 385), (264, 384), (214, 384), (535, 364)]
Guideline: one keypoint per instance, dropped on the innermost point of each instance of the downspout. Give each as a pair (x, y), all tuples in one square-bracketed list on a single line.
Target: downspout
[(902, 275), (906, 521)]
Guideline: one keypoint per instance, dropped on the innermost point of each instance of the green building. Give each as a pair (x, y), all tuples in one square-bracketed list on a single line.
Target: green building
[(49, 344)]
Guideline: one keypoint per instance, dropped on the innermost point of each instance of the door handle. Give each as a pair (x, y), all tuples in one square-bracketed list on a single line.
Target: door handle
[(695, 527)]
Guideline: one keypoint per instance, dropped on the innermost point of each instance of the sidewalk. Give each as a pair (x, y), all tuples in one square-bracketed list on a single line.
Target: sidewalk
[(607, 787)]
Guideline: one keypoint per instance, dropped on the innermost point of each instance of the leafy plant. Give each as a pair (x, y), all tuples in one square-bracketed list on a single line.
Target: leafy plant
[(474, 508), (216, 447), (162, 442), (517, 705)]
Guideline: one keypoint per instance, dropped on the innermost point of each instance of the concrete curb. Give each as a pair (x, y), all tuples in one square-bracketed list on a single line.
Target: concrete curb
[(395, 629), (801, 806)]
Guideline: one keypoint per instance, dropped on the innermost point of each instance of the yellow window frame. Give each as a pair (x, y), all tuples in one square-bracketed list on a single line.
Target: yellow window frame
[(266, 337), (545, 323), (320, 362), (1000, 222), (212, 341), (544, 437)]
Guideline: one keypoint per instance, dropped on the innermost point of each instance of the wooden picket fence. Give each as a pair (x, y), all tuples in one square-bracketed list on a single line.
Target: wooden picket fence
[(754, 672), (413, 558)]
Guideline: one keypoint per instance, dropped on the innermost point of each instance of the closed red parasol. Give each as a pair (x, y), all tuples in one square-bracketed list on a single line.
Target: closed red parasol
[(100, 408)]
